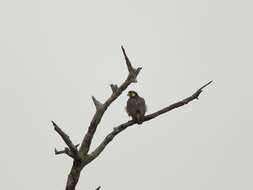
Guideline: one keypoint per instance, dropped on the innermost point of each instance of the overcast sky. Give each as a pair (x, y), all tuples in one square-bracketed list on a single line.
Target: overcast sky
[(54, 55)]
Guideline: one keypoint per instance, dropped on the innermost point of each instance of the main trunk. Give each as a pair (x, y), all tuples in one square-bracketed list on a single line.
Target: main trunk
[(74, 175)]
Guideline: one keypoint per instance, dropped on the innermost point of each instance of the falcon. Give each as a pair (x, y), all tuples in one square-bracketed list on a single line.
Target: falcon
[(136, 107)]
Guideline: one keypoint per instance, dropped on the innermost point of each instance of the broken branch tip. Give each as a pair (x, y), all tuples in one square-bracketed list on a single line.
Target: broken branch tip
[(54, 124)]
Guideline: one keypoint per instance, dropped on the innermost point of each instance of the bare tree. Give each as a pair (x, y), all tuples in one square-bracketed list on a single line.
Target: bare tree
[(82, 157)]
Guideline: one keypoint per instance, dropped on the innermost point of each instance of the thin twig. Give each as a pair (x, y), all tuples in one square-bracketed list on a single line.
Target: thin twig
[(66, 139), (65, 151), (97, 104), (114, 87), (129, 65)]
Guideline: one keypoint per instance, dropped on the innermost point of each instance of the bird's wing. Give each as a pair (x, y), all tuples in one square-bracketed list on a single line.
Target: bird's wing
[(136, 105), (141, 105), (131, 106)]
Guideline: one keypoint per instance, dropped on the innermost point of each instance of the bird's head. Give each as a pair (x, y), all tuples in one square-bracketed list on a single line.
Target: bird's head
[(132, 94)]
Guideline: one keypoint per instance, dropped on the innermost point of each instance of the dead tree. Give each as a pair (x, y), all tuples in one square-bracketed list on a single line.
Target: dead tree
[(82, 156)]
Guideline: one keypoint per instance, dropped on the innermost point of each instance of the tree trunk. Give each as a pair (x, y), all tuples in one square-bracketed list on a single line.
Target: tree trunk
[(74, 175)]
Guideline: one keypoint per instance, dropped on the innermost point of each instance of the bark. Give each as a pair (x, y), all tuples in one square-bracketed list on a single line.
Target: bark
[(82, 157), (74, 175)]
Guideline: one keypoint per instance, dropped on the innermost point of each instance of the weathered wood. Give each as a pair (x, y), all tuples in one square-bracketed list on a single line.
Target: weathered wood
[(82, 157), (123, 126)]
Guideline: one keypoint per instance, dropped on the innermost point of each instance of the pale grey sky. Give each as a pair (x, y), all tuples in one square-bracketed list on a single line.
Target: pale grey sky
[(56, 54)]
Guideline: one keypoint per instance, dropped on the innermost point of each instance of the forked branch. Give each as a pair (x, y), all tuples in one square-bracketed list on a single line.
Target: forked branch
[(66, 151), (123, 126), (114, 87), (72, 151), (101, 108), (81, 157)]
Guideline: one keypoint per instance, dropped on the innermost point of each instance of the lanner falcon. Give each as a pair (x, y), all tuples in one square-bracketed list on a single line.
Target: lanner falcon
[(136, 107)]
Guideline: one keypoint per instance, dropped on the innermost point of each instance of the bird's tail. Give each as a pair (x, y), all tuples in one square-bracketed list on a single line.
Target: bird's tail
[(139, 118)]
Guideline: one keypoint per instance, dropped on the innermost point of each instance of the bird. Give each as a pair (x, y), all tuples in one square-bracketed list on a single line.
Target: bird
[(136, 107)]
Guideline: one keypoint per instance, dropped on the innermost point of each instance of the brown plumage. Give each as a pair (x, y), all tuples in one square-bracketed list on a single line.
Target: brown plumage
[(136, 107)]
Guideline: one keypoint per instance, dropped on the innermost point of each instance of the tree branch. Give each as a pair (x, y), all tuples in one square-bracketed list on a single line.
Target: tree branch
[(114, 87), (65, 137), (178, 104), (98, 105), (81, 157), (65, 151), (85, 146), (123, 126), (128, 63), (134, 72)]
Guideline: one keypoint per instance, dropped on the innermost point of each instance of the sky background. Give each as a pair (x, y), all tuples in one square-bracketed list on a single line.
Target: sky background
[(54, 55)]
